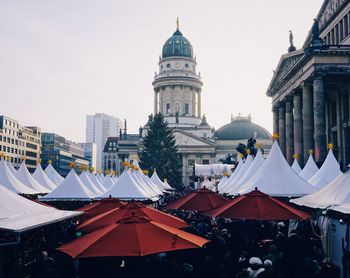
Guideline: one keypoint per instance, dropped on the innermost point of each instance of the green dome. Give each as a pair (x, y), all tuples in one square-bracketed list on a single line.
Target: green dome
[(241, 128), (177, 45)]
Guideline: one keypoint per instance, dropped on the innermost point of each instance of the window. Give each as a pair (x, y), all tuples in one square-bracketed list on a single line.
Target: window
[(190, 162), (186, 108), (167, 109), (205, 161), (168, 65), (186, 65)]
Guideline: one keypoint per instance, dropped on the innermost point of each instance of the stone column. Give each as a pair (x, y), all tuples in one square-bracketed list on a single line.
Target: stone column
[(184, 169), (160, 93), (193, 114), (289, 130), (275, 118), (199, 104), (298, 127), (319, 120), (155, 102), (308, 119), (282, 127)]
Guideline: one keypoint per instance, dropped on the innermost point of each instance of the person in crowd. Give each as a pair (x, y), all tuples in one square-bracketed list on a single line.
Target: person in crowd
[(269, 272), (255, 268)]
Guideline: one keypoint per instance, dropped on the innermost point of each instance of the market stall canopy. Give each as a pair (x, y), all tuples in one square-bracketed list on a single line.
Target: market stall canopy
[(210, 170), (277, 178), (124, 210), (72, 188), (41, 178), (257, 205), (96, 182), (53, 175), (108, 183), (26, 178), (11, 168), (296, 167), (329, 170), (222, 183), (156, 180), (89, 184), (9, 180), (132, 236), (199, 200), (20, 214), (223, 188), (230, 186), (100, 206), (309, 169), (334, 194)]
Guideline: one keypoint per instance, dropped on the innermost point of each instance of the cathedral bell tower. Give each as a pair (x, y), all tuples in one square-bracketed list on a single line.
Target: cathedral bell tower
[(177, 86)]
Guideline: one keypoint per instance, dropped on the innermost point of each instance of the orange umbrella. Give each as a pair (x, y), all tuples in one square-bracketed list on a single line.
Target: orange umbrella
[(257, 205), (131, 236), (200, 200), (99, 207), (140, 209)]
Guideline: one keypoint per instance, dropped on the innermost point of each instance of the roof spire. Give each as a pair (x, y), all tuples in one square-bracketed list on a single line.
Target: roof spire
[(177, 24)]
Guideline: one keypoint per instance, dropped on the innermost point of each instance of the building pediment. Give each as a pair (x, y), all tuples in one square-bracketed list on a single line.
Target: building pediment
[(187, 139), (286, 64)]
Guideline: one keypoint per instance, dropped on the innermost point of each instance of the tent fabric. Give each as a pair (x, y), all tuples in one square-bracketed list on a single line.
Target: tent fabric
[(53, 175), (108, 183), (199, 200), (100, 206), (277, 178), (41, 178), (222, 183), (329, 170), (233, 175), (257, 205), (296, 167), (96, 182), (157, 181), (146, 180), (112, 216), (72, 188), (309, 169), (231, 188), (336, 193), (89, 184), (11, 168), (26, 178), (212, 169), (126, 188), (132, 236), (9, 180), (20, 214)]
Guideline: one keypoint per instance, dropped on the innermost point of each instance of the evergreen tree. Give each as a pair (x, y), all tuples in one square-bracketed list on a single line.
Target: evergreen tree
[(160, 152)]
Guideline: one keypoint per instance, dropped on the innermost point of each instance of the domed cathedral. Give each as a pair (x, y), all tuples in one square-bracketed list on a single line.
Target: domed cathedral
[(177, 95)]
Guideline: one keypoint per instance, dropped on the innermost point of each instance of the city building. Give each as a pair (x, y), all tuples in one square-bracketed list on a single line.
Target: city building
[(61, 152), (110, 155), (310, 89), (90, 153), (98, 128), (19, 142)]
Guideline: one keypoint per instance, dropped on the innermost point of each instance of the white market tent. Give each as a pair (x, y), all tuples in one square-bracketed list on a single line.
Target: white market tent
[(126, 188), (108, 182), (72, 188), (53, 175), (9, 180), (138, 177), (222, 182), (223, 188), (157, 181), (96, 182), (26, 178), (335, 193), (296, 167), (277, 178), (150, 183), (230, 187), (41, 178), (254, 167), (10, 166), (212, 169), (309, 169), (329, 170), (20, 214), (89, 184)]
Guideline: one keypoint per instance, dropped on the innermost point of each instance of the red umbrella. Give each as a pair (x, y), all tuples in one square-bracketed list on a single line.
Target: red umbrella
[(99, 207), (132, 236), (140, 209), (256, 205), (200, 200)]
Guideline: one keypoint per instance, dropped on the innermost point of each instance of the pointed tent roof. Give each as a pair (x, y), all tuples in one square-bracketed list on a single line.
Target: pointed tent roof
[(126, 188), (233, 184), (156, 180), (309, 169), (26, 178), (108, 182), (149, 183), (335, 193), (329, 171), (137, 175), (9, 180), (254, 167), (19, 214), (296, 167), (96, 182), (237, 170), (41, 178), (89, 184), (53, 175), (222, 183), (10, 166), (72, 188), (277, 178)]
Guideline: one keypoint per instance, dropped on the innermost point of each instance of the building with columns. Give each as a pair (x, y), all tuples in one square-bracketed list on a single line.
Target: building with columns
[(310, 89)]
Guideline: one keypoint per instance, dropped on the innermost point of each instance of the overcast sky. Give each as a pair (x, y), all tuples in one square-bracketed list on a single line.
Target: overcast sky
[(63, 59)]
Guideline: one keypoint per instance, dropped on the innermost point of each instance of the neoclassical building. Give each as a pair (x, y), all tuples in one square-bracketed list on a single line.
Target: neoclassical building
[(310, 89)]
